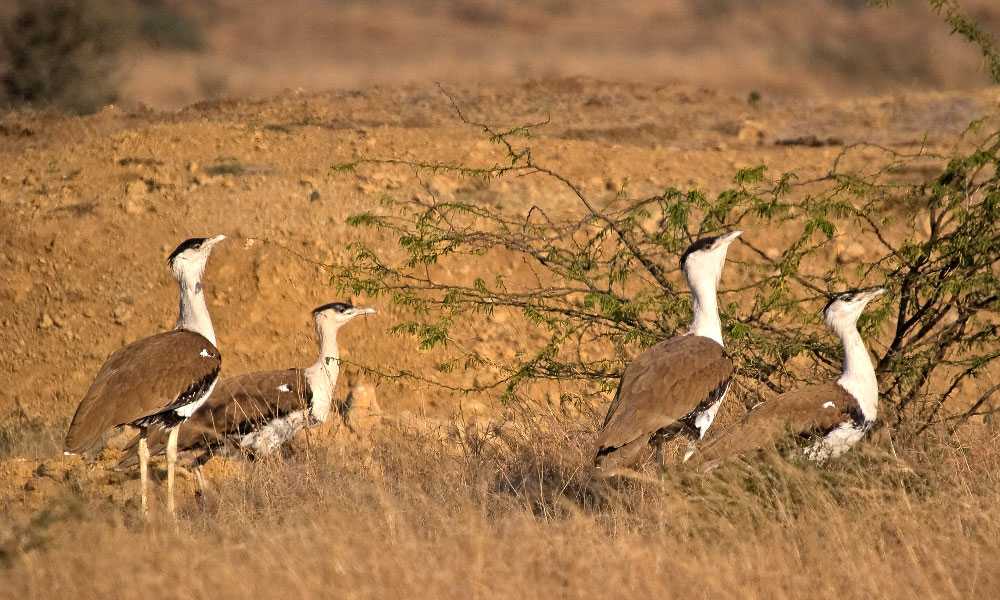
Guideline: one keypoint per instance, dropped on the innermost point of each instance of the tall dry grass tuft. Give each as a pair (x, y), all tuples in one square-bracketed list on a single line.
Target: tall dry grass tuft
[(509, 513)]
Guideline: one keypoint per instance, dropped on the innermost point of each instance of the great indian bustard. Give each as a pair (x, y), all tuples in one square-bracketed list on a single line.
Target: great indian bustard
[(676, 386), (830, 417), (262, 411), (158, 381)]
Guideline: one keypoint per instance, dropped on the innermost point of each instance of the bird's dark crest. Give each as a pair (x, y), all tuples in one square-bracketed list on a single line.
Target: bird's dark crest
[(696, 246), (186, 245), (337, 306), (845, 296)]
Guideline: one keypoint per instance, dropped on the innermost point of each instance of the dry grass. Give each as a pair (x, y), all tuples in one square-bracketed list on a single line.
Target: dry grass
[(417, 516)]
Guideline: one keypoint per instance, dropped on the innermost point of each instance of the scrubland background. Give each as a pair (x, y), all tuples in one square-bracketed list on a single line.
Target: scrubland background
[(226, 116)]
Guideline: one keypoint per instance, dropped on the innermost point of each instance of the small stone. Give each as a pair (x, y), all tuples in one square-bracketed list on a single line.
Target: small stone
[(362, 400), (926, 225), (121, 314), (46, 322), (314, 196), (131, 206), (136, 188)]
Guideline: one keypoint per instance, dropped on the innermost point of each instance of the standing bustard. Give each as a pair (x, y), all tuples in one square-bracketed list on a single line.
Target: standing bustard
[(262, 411), (676, 386), (159, 380)]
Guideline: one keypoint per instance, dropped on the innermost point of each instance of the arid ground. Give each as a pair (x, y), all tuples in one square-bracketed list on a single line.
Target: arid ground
[(429, 494), (92, 205)]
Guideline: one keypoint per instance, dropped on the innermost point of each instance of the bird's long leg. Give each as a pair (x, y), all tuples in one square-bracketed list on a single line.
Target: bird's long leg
[(199, 476), (658, 446), (171, 463), (144, 473), (200, 479)]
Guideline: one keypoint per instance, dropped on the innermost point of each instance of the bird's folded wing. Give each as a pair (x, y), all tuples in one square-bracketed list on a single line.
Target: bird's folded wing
[(814, 409), (145, 378), (663, 384)]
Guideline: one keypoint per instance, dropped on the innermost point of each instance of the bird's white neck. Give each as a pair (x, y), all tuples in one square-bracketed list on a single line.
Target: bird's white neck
[(858, 376), (706, 322), (193, 314), (322, 375)]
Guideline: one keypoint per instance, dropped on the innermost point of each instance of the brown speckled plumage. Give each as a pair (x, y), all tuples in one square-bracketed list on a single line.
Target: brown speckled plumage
[(664, 384), (812, 410), (150, 377)]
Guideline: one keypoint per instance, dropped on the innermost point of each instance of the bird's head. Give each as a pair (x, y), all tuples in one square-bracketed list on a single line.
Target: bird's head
[(703, 260), (844, 309), (188, 260), (335, 314)]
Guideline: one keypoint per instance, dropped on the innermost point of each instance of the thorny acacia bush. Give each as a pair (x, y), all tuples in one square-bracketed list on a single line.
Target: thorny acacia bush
[(604, 284)]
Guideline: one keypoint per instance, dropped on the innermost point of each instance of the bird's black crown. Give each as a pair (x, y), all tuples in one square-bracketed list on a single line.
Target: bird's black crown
[(701, 244), (847, 296), (335, 306), (188, 244)]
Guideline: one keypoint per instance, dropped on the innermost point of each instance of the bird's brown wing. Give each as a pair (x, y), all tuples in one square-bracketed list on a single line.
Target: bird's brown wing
[(145, 378), (664, 384), (247, 401), (237, 405), (813, 409)]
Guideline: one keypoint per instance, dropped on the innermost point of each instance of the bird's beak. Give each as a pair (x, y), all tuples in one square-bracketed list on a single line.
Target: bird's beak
[(873, 293), (212, 241), (358, 312), (730, 237)]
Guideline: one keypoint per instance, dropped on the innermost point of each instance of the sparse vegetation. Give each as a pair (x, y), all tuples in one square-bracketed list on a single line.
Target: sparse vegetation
[(65, 53)]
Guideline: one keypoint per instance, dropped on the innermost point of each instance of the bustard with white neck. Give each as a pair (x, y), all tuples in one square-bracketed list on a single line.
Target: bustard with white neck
[(677, 386), (159, 380), (262, 411), (833, 416)]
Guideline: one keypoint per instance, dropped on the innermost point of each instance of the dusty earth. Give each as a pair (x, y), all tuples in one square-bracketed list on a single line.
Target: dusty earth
[(89, 208), (778, 47)]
